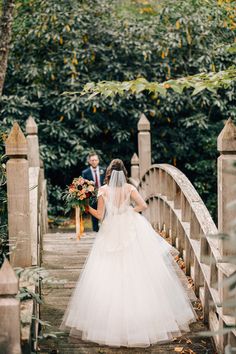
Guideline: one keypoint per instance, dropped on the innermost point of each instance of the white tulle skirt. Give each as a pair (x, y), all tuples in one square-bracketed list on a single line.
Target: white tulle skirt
[(128, 293)]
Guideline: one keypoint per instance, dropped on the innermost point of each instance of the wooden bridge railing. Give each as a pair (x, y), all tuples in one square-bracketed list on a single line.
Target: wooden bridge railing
[(27, 222), (176, 208)]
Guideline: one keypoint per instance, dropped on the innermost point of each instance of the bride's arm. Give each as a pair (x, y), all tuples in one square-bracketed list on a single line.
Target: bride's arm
[(140, 204), (97, 213)]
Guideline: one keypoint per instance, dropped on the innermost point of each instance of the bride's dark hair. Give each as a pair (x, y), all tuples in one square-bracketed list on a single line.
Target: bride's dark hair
[(115, 165)]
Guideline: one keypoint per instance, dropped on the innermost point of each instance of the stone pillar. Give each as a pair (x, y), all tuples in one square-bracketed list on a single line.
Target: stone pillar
[(226, 145), (9, 310), (144, 144), (17, 168), (33, 142), (135, 167)]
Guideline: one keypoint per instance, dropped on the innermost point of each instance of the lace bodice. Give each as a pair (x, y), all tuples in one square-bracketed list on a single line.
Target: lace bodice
[(120, 199)]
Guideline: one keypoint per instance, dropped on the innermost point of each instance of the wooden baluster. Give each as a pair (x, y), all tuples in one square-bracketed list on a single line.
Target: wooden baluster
[(206, 303), (204, 250), (162, 214), (165, 219), (9, 310), (162, 182), (198, 277), (151, 182), (169, 187), (157, 188), (213, 273), (187, 259), (185, 208), (159, 214), (194, 227), (177, 196), (181, 237), (173, 226)]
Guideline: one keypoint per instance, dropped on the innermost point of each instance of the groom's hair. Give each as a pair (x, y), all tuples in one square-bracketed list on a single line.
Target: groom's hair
[(93, 153)]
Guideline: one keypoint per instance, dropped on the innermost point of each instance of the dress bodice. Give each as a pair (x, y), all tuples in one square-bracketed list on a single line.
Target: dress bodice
[(116, 201)]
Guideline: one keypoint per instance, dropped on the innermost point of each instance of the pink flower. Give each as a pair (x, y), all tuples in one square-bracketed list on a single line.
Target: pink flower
[(81, 180), (90, 188)]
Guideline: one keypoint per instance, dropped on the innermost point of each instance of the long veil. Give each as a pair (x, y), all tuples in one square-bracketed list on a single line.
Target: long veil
[(117, 193)]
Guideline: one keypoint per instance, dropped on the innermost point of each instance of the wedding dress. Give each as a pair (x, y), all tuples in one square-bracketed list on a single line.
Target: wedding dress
[(128, 293)]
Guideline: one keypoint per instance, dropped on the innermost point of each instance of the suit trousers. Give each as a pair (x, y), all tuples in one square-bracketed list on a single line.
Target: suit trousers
[(95, 220)]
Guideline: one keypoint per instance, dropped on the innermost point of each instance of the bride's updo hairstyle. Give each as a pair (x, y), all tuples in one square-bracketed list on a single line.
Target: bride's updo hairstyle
[(115, 165)]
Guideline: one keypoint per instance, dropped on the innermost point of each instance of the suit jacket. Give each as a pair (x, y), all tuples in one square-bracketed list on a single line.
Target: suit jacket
[(87, 173)]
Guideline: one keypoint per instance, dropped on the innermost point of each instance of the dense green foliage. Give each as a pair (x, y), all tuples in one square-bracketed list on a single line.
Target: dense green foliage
[(60, 46)]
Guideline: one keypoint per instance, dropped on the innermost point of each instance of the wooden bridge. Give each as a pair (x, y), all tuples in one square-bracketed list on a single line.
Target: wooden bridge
[(175, 209)]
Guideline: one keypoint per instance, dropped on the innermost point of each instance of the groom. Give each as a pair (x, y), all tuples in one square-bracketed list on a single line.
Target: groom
[(97, 174)]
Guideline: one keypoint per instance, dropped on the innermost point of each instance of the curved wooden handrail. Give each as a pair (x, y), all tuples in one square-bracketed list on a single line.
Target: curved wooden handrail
[(176, 207), (193, 198)]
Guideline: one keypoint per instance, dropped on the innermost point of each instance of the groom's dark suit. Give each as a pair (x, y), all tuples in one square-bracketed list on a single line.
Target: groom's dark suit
[(87, 173)]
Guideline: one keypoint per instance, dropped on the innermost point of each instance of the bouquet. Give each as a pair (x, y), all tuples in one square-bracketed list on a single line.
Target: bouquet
[(79, 192)]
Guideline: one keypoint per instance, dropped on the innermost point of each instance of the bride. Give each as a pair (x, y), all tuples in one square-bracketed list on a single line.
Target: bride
[(128, 293)]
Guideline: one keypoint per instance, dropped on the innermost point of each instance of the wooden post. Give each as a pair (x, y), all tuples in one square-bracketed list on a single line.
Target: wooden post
[(226, 145), (33, 142), (79, 224), (43, 195), (9, 310), (17, 168), (144, 144), (135, 174)]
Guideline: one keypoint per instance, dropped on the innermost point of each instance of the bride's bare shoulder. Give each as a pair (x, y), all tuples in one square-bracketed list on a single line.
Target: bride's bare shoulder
[(103, 188)]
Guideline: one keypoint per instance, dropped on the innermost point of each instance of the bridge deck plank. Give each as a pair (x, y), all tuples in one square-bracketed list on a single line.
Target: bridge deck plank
[(63, 257)]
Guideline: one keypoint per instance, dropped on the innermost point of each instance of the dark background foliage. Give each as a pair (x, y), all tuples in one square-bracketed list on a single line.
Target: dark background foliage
[(60, 46)]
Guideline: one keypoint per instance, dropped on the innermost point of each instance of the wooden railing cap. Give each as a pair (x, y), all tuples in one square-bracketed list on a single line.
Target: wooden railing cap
[(143, 123), (16, 143), (31, 126), (8, 280), (226, 141), (135, 159)]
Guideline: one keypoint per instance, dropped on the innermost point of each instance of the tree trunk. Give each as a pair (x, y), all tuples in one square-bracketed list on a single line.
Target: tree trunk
[(5, 37)]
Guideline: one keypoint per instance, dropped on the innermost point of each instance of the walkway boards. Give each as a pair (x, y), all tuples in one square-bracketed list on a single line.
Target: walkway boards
[(63, 257)]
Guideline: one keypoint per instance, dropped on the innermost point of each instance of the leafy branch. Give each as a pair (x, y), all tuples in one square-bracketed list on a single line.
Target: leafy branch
[(211, 81)]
